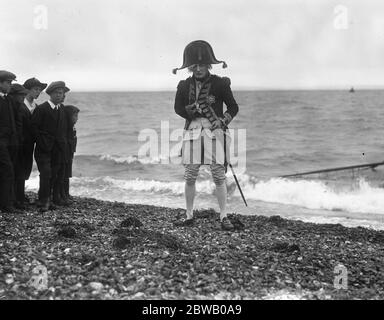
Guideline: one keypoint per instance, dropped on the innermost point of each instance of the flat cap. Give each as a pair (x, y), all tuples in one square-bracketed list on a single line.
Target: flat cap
[(56, 85), (72, 109), (6, 75), (33, 82), (18, 89)]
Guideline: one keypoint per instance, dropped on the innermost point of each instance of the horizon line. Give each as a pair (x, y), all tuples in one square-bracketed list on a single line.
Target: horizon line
[(237, 89)]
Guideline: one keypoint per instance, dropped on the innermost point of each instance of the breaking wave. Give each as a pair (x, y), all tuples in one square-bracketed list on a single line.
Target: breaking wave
[(310, 194)]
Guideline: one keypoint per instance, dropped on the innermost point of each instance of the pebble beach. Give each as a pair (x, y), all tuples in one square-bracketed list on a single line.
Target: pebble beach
[(110, 250)]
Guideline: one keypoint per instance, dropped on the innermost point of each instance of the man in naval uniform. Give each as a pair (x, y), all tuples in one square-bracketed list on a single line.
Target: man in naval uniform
[(199, 100)]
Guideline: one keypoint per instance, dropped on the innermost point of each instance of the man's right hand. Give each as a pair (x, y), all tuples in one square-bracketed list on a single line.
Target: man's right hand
[(191, 110)]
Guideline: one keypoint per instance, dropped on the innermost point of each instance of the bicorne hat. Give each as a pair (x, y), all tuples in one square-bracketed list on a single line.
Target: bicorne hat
[(198, 52), (33, 82), (56, 85)]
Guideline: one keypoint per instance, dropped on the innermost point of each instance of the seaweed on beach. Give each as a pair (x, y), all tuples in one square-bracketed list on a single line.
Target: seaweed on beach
[(285, 247), (131, 222), (127, 236), (67, 232)]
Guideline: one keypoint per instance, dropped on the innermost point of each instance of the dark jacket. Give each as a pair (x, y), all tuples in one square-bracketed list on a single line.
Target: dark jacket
[(49, 128), (26, 133), (217, 87), (10, 124), (24, 162), (71, 133)]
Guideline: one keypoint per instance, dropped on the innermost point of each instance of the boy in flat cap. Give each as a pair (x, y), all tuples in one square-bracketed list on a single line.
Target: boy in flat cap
[(21, 165), (72, 114), (34, 88), (50, 127), (8, 142), (199, 100)]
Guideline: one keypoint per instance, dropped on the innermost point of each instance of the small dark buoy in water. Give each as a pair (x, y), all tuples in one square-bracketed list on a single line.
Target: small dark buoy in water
[(351, 90)]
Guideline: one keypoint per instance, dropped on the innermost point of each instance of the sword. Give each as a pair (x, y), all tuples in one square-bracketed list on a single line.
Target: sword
[(238, 185), (226, 128)]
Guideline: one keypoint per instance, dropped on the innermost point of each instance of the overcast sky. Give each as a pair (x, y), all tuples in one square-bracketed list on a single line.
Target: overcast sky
[(133, 45)]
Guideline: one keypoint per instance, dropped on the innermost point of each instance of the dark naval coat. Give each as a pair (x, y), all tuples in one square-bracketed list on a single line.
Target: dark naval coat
[(198, 146), (215, 87)]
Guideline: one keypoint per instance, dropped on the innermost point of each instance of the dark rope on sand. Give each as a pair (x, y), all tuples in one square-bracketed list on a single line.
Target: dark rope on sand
[(361, 166)]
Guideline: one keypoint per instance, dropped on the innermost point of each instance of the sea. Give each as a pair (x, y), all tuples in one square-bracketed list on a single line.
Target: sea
[(129, 145)]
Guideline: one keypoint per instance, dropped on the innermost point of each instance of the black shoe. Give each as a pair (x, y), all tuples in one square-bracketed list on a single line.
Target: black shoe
[(44, 206), (216, 224), (38, 203), (184, 222), (227, 225), (19, 205), (57, 203), (61, 202), (11, 209), (27, 201), (181, 215), (65, 202)]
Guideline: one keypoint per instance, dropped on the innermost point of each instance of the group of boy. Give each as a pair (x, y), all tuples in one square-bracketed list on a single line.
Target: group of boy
[(45, 132)]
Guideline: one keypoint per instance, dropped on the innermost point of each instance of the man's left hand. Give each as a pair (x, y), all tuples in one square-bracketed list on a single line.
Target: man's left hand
[(217, 124)]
